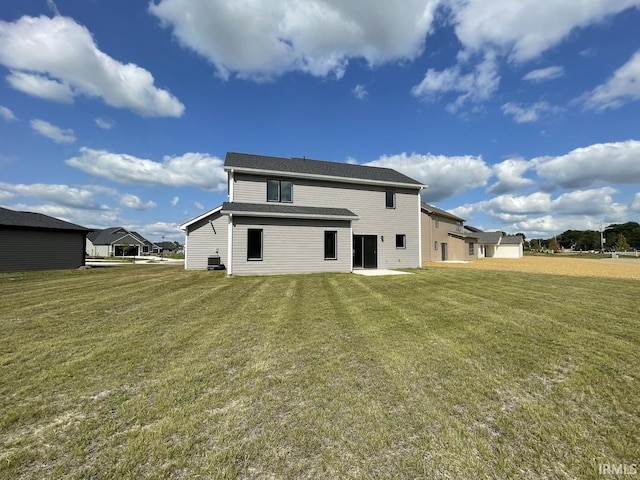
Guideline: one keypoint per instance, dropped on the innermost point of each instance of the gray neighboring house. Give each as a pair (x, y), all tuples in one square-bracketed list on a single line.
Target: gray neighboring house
[(33, 241), (116, 242), (288, 215), (497, 245)]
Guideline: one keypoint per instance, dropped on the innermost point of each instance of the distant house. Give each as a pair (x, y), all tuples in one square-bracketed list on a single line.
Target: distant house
[(169, 247), (116, 242), (497, 245), (299, 215), (444, 237), (33, 241)]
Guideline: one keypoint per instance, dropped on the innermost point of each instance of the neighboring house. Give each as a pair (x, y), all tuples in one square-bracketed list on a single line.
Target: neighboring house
[(169, 247), (444, 237), (33, 241), (497, 245), (115, 242), (299, 215)]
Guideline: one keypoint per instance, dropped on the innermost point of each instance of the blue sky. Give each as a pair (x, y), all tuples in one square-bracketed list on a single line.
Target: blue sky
[(519, 118)]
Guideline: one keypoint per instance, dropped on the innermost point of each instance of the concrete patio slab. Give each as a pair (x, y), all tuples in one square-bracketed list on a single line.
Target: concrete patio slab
[(375, 272)]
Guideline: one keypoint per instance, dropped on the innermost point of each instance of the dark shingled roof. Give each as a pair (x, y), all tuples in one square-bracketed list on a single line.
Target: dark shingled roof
[(316, 167), (511, 240), (489, 237), (110, 235), (285, 210), (12, 218), (442, 213)]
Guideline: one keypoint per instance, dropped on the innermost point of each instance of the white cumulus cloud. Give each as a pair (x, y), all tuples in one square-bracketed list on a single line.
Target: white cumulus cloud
[(360, 92), (544, 74), (175, 201), (524, 29), (531, 113), (475, 86), (266, 39), (621, 88), (613, 163), (52, 132), (191, 169), (510, 175), (105, 123), (7, 114), (58, 59), (75, 197), (131, 201), (445, 176)]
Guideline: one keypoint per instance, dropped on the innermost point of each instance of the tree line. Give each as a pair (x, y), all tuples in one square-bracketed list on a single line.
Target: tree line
[(619, 237)]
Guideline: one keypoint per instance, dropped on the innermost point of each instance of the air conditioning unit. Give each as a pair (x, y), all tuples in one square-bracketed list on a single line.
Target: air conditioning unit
[(214, 263)]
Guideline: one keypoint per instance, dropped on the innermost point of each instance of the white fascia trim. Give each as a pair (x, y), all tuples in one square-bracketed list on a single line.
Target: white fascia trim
[(289, 215), (312, 176), (197, 219)]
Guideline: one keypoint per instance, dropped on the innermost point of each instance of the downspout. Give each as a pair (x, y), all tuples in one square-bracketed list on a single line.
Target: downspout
[(351, 244), (186, 248), (420, 228), (230, 246)]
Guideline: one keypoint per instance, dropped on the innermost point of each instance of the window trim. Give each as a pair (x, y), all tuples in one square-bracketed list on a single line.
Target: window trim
[(279, 183), (334, 234), (403, 238), (255, 259), (393, 198), (472, 248)]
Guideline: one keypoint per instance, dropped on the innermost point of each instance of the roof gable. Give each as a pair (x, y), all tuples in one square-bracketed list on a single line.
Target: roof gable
[(431, 210), (304, 167)]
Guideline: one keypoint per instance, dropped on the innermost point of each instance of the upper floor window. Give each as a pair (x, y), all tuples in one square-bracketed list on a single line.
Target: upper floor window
[(458, 226), (437, 222), (279, 191), (390, 198)]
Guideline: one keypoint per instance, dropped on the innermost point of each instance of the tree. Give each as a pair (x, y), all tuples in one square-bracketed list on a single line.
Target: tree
[(554, 245), (621, 244), (535, 245)]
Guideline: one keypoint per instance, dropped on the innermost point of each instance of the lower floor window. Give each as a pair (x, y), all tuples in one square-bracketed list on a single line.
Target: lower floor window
[(471, 248), (401, 241), (330, 245), (254, 244)]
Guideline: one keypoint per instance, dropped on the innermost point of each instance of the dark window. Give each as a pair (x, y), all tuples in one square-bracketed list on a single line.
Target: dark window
[(401, 241), (273, 190), (390, 199), (254, 244), (330, 245), (435, 245), (471, 248), (437, 223), (279, 191)]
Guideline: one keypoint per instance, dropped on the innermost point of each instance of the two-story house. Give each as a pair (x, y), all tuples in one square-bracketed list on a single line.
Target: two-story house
[(299, 215), (444, 237)]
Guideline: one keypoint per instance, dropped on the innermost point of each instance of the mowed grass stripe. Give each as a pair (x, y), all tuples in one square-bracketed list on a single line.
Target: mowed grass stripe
[(155, 372)]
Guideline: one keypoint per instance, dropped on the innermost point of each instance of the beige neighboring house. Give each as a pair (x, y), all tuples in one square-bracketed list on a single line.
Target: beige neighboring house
[(444, 237), (291, 215)]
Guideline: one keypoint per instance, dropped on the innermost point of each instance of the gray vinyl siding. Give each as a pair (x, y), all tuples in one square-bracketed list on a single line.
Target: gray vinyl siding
[(290, 246), (203, 238), (366, 201), (33, 249)]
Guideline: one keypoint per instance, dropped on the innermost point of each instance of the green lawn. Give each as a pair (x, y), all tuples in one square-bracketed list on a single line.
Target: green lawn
[(154, 372)]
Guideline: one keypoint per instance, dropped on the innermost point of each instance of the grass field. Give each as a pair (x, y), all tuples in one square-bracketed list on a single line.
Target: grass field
[(154, 372)]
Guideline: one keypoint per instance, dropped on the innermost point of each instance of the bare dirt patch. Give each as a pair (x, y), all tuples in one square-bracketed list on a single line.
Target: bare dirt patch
[(579, 267)]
